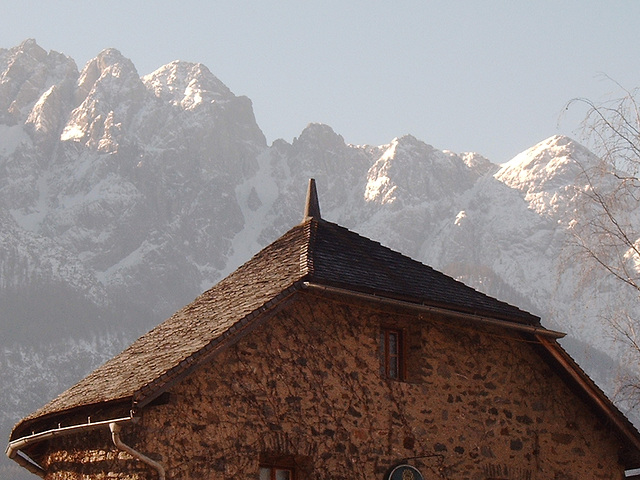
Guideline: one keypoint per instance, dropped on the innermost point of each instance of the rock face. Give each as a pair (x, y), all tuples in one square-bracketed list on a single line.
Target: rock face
[(123, 197)]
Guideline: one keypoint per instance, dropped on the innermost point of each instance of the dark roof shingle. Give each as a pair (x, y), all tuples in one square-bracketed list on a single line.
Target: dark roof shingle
[(344, 258)]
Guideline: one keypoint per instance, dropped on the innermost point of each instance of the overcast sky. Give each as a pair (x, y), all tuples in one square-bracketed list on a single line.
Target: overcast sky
[(485, 76)]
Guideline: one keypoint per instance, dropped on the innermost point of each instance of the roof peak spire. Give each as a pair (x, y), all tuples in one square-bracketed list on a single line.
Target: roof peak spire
[(312, 206)]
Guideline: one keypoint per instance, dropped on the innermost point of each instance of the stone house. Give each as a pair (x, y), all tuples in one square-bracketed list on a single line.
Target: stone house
[(329, 356)]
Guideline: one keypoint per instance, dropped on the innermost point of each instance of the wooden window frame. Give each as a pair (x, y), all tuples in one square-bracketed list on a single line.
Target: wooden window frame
[(388, 358), (273, 470)]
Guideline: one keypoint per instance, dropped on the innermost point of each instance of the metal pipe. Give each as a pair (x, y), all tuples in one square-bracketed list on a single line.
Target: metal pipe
[(427, 308), (15, 448), (115, 436)]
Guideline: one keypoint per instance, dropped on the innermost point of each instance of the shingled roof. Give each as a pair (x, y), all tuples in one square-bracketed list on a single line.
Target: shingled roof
[(315, 251)]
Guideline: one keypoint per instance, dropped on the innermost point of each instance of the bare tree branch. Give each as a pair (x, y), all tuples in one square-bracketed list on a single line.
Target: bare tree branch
[(607, 225)]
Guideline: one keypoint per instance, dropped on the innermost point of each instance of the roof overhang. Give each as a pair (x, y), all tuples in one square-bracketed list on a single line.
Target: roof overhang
[(630, 436)]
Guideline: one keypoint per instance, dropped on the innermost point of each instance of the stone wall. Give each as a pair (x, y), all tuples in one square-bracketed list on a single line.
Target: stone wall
[(91, 456), (304, 389)]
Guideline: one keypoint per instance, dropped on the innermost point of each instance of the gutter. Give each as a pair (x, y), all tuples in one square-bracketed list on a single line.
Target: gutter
[(538, 331), (15, 449)]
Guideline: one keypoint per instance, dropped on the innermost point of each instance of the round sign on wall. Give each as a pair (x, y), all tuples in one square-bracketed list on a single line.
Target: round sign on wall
[(405, 472)]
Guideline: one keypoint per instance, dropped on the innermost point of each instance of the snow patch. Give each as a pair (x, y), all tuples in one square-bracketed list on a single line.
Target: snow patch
[(32, 219), (256, 197), (11, 137), (115, 273), (379, 186), (72, 132)]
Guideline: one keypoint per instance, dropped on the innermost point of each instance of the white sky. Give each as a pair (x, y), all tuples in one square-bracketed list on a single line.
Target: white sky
[(485, 76)]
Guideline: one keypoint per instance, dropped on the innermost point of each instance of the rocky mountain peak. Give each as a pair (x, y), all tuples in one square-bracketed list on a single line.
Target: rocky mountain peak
[(109, 94), (547, 171), (108, 68), (476, 162), (110, 60), (321, 153), (26, 72), (319, 135), (548, 158), (187, 85), (31, 48), (408, 169)]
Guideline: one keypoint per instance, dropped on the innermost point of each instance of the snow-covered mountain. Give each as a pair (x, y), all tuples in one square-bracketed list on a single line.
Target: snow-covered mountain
[(123, 197)]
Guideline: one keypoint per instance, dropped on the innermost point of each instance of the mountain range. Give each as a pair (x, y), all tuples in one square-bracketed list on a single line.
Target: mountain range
[(122, 197)]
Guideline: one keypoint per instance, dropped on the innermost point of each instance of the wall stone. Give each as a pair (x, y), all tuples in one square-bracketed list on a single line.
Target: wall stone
[(305, 389), (91, 456)]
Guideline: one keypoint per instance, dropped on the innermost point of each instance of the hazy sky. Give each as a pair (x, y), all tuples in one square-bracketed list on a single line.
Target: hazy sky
[(485, 76)]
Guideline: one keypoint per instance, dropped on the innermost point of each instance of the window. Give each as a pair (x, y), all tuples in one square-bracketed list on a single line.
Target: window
[(284, 466), (391, 353), (276, 473)]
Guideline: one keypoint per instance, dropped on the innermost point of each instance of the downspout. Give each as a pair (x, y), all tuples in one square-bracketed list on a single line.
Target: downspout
[(115, 436)]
